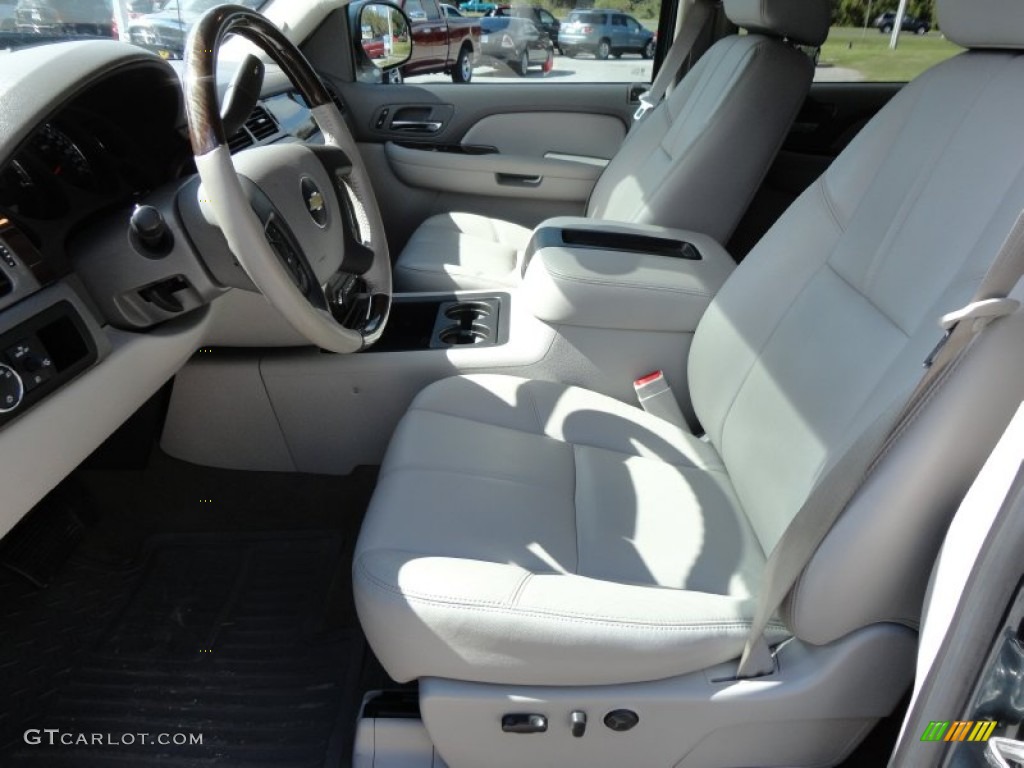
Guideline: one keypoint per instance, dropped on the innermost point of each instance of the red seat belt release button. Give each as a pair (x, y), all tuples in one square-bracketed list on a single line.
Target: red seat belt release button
[(656, 397)]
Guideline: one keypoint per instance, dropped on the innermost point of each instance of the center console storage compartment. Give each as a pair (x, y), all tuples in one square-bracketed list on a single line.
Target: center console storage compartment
[(622, 276), (444, 321)]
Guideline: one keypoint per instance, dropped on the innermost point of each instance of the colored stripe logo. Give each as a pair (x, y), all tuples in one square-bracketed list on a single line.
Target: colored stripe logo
[(959, 730)]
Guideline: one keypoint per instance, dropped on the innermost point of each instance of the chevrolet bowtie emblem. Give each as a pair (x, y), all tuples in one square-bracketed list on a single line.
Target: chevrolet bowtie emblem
[(315, 202)]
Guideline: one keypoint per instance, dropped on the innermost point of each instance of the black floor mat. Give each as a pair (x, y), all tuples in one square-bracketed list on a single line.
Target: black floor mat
[(244, 639)]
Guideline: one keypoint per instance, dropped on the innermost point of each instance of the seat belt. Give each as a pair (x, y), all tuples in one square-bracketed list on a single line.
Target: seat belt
[(699, 13), (840, 483)]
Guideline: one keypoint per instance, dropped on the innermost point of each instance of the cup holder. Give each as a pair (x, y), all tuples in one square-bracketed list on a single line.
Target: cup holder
[(472, 321), (472, 311), (458, 334)]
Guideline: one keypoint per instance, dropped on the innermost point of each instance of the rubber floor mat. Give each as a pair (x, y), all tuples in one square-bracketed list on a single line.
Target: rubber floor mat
[(233, 640)]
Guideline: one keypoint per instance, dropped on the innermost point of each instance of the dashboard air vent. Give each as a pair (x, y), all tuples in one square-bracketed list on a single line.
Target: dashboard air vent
[(261, 124), (240, 140)]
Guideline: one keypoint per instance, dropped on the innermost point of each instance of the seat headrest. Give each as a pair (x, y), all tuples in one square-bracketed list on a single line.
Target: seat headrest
[(804, 22), (982, 23)]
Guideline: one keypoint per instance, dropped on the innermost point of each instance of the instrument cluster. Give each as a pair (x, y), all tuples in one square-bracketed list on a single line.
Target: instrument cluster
[(76, 160)]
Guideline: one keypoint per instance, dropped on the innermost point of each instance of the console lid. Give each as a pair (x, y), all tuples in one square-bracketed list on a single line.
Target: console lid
[(604, 274)]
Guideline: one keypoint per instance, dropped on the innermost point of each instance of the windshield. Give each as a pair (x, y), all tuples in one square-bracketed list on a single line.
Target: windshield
[(160, 26)]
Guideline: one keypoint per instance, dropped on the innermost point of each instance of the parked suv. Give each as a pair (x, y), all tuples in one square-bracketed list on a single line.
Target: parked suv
[(887, 21), (77, 17), (604, 33)]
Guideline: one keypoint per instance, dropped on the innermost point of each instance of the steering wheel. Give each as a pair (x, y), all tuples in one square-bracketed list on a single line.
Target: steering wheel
[(301, 220)]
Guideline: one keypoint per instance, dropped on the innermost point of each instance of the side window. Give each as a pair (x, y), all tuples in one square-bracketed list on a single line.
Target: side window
[(414, 10), (431, 8), (577, 45), (859, 44)]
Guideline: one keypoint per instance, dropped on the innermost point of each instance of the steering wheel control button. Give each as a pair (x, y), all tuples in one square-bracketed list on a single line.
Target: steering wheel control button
[(524, 723), (578, 723), (286, 253), (621, 720), (314, 200), (11, 389)]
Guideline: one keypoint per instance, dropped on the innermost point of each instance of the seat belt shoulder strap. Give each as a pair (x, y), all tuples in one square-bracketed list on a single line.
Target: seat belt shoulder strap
[(833, 492), (698, 13)]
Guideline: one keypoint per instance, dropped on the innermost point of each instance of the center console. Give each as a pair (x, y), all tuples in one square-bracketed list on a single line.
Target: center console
[(603, 274), (445, 321), (601, 304)]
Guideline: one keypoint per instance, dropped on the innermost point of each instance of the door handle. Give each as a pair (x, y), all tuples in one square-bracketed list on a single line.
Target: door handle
[(416, 126), (518, 180)]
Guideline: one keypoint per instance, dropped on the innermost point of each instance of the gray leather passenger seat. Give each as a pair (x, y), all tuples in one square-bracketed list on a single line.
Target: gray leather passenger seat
[(543, 540), (694, 162)]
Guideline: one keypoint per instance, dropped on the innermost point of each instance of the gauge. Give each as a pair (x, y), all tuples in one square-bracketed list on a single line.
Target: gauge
[(26, 189), (63, 157)]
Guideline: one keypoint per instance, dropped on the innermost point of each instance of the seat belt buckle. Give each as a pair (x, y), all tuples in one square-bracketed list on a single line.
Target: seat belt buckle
[(643, 109), (657, 398), (930, 360)]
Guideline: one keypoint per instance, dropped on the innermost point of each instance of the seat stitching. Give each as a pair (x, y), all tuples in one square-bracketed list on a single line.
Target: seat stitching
[(528, 393), (515, 480), (868, 299), (756, 355), (451, 415), (518, 591), (830, 204), (471, 604)]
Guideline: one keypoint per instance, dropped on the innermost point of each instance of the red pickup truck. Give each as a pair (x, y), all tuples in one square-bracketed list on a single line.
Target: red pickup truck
[(440, 43)]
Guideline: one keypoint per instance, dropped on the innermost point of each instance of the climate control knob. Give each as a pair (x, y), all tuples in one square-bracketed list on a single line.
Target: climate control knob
[(12, 390)]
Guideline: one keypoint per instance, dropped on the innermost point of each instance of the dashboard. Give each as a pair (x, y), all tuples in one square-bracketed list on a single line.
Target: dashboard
[(95, 318), (104, 149)]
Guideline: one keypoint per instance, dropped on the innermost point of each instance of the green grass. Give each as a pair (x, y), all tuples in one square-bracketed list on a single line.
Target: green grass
[(868, 53)]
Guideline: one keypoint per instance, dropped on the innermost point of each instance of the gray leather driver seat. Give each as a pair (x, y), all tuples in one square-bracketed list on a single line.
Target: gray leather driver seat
[(693, 163), (528, 534)]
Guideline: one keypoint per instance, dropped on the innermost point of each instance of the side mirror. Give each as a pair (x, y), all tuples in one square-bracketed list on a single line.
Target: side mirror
[(383, 34)]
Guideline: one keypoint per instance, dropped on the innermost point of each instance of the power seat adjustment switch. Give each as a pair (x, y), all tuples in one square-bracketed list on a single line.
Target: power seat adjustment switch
[(578, 723), (524, 723), (620, 720)]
